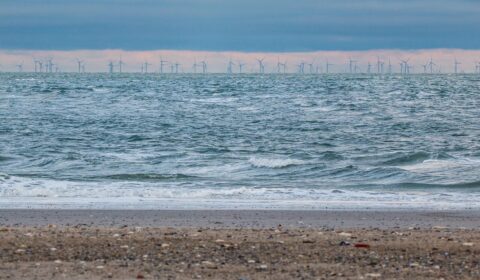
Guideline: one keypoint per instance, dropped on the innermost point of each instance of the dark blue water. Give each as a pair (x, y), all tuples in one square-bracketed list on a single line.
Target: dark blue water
[(283, 141)]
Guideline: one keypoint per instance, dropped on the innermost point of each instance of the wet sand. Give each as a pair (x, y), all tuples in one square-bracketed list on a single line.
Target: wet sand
[(243, 218), (131, 244)]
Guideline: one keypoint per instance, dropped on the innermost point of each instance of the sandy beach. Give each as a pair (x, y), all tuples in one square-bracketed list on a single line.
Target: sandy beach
[(134, 244)]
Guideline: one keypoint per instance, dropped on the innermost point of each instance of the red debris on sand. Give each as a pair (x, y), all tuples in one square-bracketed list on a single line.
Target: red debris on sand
[(140, 276), (361, 245)]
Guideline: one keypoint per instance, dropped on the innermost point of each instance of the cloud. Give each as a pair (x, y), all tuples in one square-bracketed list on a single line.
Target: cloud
[(247, 25)]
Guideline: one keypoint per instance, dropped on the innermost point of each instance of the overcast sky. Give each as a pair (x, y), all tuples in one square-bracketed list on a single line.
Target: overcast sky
[(239, 25)]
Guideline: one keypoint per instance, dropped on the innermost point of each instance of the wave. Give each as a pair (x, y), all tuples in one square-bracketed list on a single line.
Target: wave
[(4, 177), (409, 158), (21, 192), (144, 177), (274, 162), (3, 158), (461, 185), (435, 165)]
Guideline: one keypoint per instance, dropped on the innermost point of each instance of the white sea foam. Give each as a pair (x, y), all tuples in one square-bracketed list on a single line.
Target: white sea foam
[(435, 165), (39, 193), (247, 109), (274, 162), (101, 90)]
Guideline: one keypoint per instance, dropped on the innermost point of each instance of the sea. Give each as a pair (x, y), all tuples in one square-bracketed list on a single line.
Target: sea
[(244, 141)]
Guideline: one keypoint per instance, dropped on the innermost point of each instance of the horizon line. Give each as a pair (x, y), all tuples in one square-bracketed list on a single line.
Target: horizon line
[(97, 59)]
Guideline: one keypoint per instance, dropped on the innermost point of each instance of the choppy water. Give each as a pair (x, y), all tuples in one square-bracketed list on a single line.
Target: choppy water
[(218, 141)]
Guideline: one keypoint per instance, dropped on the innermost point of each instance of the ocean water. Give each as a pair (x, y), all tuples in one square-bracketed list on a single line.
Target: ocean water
[(242, 141)]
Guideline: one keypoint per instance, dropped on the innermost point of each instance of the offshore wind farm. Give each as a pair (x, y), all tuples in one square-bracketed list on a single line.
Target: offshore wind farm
[(240, 139), (174, 62)]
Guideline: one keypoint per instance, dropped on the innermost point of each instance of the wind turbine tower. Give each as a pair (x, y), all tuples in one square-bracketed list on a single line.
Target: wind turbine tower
[(145, 66), (327, 67), (35, 62), (352, 65), (431, 64), (425, 68), (79, 62), (456, 63), (284, 65), (310, 68), (110, 67), (20, 67), (176, 67), (49, 65), (120, 64), (195, 65), (379, 66), (162, 64), (261, 66), (301, 67), (240, 67), (230, 67), (204, 67)]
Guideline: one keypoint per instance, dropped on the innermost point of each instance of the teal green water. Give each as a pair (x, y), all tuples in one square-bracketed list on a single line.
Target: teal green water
[(250, 141)]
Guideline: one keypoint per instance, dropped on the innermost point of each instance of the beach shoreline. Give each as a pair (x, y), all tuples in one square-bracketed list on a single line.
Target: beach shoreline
[(382, 219), (238, 244)]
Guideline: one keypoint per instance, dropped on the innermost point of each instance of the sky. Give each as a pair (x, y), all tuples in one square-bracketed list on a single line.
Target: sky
[(234, 27), (239, 25)]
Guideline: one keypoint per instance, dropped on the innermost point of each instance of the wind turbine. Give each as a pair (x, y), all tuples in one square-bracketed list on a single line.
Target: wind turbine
[(145, 66), (120, 64), (176, 67), (352, 63), (390, 67), (110, 67), (240, 66), (49, 65), (279, 66), (327, 67), (230, 67), (404, 66), (35, 62), (162, 64), (369, 68), (195, 65), (425, 68), (20, 67), (261, 66), (380, 65), (301, 67), (204, 66), (431, 64), (310, 67), (79, 62), (284, 64), (356, 68), (456, 65)]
